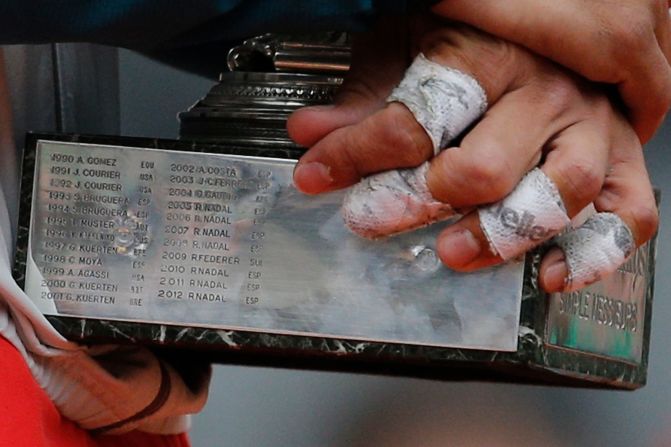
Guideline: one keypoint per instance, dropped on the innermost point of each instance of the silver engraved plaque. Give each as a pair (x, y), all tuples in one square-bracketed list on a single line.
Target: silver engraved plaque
[(226, 241)]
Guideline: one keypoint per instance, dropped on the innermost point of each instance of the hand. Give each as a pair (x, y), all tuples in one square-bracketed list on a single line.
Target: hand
[(538, 111), (625, 42)]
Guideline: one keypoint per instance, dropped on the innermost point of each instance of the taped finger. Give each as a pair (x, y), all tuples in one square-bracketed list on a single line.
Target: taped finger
[(492, 158), (531, 214), (431, 105), (392, 202), (627, 217), (543, 203), (596, 248), (389, 139), (443, 100), (538, 208)]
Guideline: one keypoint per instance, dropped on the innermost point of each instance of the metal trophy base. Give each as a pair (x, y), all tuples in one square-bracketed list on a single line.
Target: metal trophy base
[(205, 250)]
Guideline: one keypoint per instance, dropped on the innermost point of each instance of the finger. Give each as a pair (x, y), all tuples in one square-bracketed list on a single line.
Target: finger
[(389, 139), (393, 137), (586, 256), (662, 92), (490, 161), (647, 94), (521, 22), (537, 209), (392, 202), (365, 86), (503, 146), (610, 42), (308, 125)]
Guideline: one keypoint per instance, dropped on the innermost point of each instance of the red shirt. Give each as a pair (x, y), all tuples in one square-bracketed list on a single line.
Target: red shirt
[(29, 418)]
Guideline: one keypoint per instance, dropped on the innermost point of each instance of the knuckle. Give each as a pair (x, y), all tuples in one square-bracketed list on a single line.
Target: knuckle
[(403, 133), (630, 36), (553, 92), (487, 182), (581, 182), (559, 92), (645, 219), (352, 155), (494, 62), (390, 140), (495, 58)]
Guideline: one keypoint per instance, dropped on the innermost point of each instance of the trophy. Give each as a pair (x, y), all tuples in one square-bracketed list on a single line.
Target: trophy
[(203, 246)]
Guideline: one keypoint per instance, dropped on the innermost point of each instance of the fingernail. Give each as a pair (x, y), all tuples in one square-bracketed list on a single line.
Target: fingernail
[(554, 271), (312, 178), (458, 248)]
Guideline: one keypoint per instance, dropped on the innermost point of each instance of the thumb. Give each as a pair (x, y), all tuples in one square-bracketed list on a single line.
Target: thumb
[(379, 58)]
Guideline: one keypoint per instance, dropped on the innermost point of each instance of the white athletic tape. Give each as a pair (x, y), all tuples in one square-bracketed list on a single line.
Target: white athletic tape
[(596, 248), (392, 202), (443, 100), (532, 213)]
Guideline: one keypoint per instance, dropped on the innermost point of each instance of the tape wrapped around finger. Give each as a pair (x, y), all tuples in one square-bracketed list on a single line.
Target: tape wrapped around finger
[(596, 248), (443, 100), (532, 213), (392, 202)]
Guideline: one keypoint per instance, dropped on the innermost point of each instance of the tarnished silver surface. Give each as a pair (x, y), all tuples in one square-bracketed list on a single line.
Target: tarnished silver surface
[(252, 108), (227, 242), (267, 93), (328, 52), (607, 317), (270, 76)]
